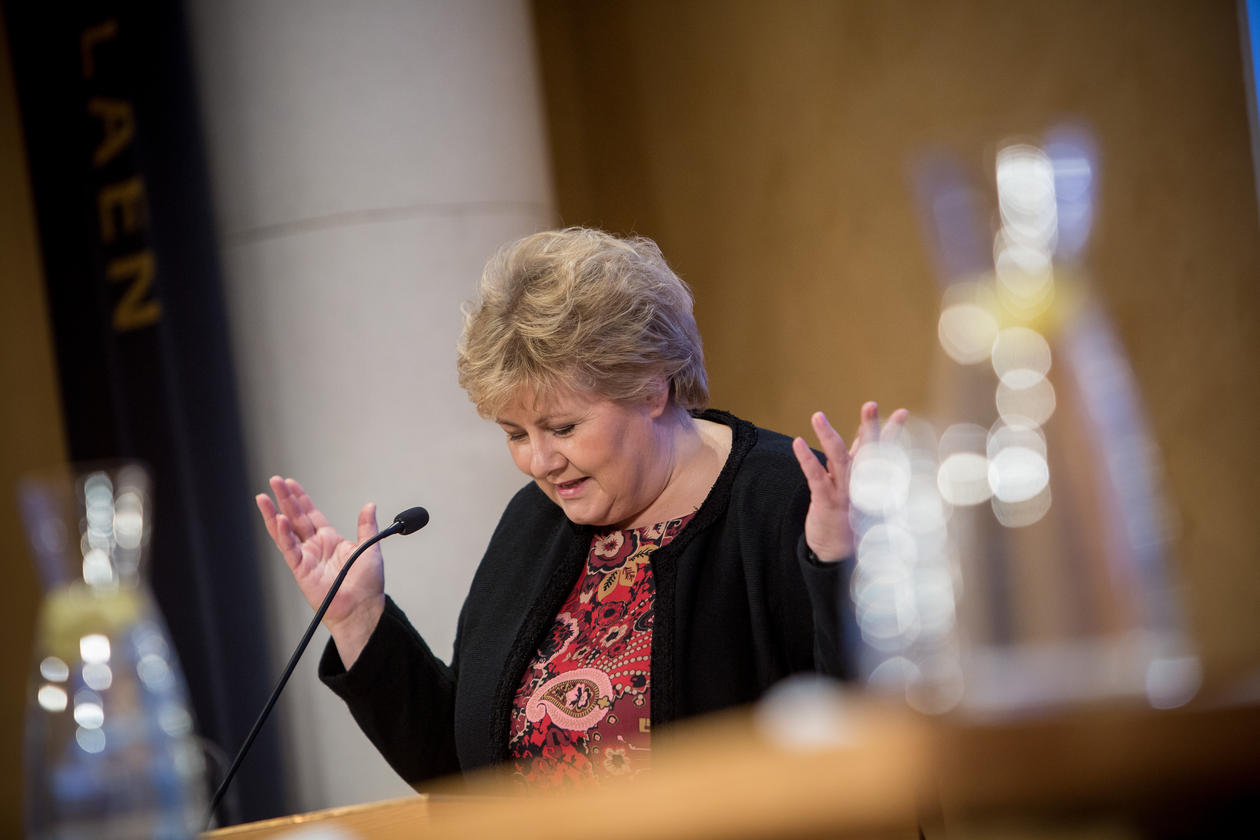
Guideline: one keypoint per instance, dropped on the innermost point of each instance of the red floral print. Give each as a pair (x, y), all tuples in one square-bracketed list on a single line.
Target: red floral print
[(583, 710)]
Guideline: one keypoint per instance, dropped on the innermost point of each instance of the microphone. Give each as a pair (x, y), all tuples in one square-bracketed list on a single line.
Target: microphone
[(407, 522), (411, 520)]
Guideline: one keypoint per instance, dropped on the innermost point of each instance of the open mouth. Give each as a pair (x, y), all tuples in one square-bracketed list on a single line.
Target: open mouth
[(570, 488)]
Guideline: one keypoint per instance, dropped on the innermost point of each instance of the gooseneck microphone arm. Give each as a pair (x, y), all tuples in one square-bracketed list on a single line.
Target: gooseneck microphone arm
[(407, 522)]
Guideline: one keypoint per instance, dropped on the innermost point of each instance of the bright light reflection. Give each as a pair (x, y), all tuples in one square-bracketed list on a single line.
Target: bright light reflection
[(1172, 682), (869, 582), (1034, 401), (883, 601), (154, 672), (1020, 349), (98, 495), (94, 647), (54, 669), (89, 715), (97, 676), (935, 600), (1019, 258), (129, 520), (1025, 186), (879, 478), (902, 588), (150, 642), (1018, 431), (963, 437), (885, 624), (966, 332), (1025, 513), (175, 720), (98, 505), (90, 740), (1017, 474), (1019, 379), (925, 512), (1025, 279), (97, 570), (895, 674), (886, 547), (963, 479), (53, 698)]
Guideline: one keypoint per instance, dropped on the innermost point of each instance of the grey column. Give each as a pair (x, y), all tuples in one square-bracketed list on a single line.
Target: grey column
[(367, 157)]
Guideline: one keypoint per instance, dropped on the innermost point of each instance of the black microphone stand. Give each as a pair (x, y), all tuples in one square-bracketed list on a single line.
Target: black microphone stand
[(410, 520)]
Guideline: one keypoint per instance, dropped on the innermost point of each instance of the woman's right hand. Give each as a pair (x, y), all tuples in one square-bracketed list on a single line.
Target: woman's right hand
[(315, 554)]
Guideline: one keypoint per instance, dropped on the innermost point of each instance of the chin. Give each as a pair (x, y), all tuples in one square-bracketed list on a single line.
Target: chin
[(578, 515)]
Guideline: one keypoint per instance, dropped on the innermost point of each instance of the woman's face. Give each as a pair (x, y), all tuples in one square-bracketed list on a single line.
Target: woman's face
[(600, 460)]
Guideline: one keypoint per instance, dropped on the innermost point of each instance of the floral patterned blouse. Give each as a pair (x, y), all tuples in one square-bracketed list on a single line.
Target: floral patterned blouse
[(583, 710)]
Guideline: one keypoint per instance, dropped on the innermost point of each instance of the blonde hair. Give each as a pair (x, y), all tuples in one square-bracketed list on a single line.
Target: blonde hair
[(581, 309)]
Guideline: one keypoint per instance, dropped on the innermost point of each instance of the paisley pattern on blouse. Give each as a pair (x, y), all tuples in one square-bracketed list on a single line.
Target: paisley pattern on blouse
[(583, 710)]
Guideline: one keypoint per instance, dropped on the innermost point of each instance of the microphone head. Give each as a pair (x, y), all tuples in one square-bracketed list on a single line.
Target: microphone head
[(412, 520)]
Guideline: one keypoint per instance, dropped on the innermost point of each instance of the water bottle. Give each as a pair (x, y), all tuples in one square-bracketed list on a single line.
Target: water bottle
[(1015, 555), (110, 750)]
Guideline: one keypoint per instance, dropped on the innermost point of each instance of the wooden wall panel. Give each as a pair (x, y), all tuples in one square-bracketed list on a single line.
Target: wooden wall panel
[(767, 146)]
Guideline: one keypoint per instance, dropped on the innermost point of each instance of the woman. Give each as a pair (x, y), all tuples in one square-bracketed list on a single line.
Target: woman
[(665, 560)]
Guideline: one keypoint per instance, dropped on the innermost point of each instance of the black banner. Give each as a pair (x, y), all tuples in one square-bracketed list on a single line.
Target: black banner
[(117, 169)]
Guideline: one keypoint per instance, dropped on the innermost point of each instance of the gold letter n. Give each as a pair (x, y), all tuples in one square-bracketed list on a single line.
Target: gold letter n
[(135, 309)]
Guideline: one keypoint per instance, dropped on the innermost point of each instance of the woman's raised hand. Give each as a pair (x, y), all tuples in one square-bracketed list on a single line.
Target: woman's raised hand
[(315, 553), (828, 531)]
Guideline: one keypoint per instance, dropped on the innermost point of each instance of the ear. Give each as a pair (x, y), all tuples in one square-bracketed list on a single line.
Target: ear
[(658, 397)]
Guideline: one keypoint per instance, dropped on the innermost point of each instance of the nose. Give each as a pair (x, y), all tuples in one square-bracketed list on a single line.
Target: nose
[(544, 460)]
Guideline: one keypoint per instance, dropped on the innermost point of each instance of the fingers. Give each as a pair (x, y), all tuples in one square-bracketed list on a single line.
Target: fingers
[(287, 541), (313, 514), (296, 504), (287, 501), (367, 523), (869, 430), (868, 426), (815, 472), (827, 482), (268, 510), (278, 526), (279, 521), (896, 422), (830, 441)]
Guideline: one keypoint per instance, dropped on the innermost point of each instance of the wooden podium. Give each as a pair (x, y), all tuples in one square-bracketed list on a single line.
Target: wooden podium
[(857, 769)]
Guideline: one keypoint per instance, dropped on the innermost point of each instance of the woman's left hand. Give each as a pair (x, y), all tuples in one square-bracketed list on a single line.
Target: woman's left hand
[(828, 532)]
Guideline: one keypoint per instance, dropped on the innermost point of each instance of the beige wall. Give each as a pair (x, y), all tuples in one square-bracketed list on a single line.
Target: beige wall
[(30, 426), (766, 147)]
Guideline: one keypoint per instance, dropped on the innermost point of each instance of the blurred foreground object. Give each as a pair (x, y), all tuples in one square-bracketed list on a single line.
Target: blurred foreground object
[(812, 760), (1015, 555), (110, 750)]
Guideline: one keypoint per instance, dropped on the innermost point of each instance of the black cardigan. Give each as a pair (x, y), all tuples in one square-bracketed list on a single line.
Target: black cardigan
[(739, 605)]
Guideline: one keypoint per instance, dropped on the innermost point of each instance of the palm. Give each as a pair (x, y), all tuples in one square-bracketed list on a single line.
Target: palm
[(827, 528), (316, 553), (828, 531)]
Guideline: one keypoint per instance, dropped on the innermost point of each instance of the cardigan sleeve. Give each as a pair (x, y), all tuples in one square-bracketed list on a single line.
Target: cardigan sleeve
[(819, 623), (836, 632), (402, 697), (809, 610)]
